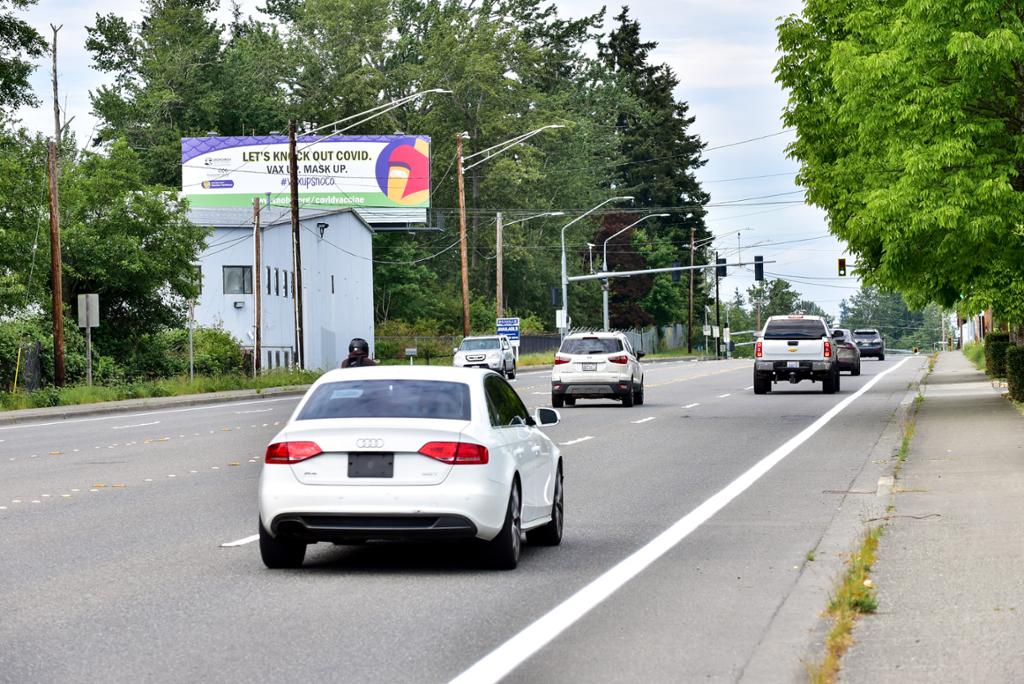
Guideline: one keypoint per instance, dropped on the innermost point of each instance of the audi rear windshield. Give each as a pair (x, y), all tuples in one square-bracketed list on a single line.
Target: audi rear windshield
[(795, 330), (389, 399), (591, 345)]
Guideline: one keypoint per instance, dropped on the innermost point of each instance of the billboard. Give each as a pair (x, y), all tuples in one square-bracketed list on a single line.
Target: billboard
[(374, 172)]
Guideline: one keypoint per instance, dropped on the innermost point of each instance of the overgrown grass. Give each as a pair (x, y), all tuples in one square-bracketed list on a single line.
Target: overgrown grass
[(855, 596), (169, 387), (975, 353)]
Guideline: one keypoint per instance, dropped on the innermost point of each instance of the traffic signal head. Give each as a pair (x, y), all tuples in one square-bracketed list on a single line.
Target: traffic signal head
[(720, 268), (842, 267), (675, 274), (758, 268)]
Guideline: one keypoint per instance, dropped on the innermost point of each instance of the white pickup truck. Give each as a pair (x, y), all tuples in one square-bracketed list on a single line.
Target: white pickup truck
[(795, 348)]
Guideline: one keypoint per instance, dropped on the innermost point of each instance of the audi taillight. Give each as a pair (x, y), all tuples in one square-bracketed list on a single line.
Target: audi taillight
[(758, 352), (828, 350), (456, 453), (292, 452), (559, 359), (619, 358)]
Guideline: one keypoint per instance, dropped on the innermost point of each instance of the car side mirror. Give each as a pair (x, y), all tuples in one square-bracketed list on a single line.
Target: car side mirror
[(641, 354), (546, 416)]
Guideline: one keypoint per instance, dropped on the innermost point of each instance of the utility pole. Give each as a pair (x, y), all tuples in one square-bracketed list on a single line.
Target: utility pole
[(293, 172), (689, 318), (499, 285), (462, 235), (718, 314), (257, 346), (55, 260)]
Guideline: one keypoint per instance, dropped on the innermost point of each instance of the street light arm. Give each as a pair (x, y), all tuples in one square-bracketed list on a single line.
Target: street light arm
[(638, 221), (495, 150)]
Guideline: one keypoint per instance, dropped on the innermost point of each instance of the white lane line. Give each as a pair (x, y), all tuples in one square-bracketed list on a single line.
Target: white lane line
[(543, 394), (723, 396), (208, 407), (509, 655), (240, 542), (748, 388), (693, 405), (254, 411), (642, 420), (125, 427), (575, 441)]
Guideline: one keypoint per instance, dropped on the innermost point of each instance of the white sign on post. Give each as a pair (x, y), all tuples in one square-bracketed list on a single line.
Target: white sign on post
[(707, 331), (714, 331), (88, 318), (726, 336)]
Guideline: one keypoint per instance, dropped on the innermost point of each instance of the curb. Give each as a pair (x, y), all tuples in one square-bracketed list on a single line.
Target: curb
[(130, 405)]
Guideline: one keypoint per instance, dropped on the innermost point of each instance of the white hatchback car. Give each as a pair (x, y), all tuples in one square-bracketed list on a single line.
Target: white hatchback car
[(594, 366), (492, 351), (410, 452)]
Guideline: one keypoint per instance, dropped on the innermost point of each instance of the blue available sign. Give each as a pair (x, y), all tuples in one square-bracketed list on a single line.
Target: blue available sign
[(509, 327)]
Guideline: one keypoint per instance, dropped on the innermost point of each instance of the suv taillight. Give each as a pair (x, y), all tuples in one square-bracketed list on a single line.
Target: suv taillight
[(559, 359), (620, 358), (758, 353), (291, 452), (828, 350), (456, 453)]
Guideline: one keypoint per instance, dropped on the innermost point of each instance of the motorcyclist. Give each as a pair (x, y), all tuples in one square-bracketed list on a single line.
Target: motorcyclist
[(358, 354)]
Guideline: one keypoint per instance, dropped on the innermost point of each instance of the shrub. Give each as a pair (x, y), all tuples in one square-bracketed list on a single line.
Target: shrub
[(1015, 372), (216, 352), (995, 353)]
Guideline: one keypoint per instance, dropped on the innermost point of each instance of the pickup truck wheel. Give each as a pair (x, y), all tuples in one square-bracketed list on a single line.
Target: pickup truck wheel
[(881, 357), (762, 383), (856, 369), (512, 375), (557, 401), (830, 383)]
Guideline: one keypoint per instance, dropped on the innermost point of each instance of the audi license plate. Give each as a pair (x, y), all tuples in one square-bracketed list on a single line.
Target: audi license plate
[(792, 364), (371, 465), (590, 366)]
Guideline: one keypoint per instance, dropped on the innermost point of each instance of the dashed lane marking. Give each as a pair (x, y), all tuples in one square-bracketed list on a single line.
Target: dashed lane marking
[(125, 427), (254, 411), (723, 396), (693, 405), (576, 441), (642, 420), (240, 542), (748, 388)]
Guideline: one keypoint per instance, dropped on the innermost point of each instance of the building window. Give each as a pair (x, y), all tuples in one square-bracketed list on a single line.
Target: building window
[(288, 359), (332, 284), (293, 283), (268, 280), (278, 355), (270, 360), (238, 280), (277, 282), (284, 283)]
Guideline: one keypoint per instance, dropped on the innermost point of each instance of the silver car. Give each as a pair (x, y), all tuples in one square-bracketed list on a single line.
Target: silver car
[(597, 365), (492, 351)]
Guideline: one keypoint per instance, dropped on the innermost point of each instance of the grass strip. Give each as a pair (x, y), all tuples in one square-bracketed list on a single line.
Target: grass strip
[(855, 596), (975, 353)]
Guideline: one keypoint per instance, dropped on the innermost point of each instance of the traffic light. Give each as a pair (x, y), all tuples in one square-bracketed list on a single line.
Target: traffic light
[(842, 267), (675, 274), (758, 268), (720, 268), (556, 298)]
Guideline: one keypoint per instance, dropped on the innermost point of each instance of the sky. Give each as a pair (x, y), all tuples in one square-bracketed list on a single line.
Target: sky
[(723, 53)]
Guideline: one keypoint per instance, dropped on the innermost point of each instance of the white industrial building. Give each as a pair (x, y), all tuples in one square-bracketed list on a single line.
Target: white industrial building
[(337, 281)]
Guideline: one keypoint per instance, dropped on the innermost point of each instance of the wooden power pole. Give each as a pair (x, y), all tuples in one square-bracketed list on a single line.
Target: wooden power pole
[(55, 260), (257, 346), (462, 235), (293, 172)]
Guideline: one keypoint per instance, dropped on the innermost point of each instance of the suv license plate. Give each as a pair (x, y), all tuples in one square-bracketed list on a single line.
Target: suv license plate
[(590, 366), (371, 465), (792, 364)]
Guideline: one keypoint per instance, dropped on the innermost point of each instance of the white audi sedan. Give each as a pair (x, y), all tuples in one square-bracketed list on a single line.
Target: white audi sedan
[(409, 453)]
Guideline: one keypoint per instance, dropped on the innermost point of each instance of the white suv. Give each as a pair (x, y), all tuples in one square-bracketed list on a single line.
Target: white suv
[(599, 365), (493, 351)]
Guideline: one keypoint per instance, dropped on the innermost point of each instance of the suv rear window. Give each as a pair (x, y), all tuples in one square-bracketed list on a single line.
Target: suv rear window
[(795, 330), (591, 345), (389, 399)]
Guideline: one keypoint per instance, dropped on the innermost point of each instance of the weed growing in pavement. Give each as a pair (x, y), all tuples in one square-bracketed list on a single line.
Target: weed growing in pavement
[(855, 596), (975, 353), (931, 361), (810, 555)]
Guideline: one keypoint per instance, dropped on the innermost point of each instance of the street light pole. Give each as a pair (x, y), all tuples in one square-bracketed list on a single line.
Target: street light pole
[(499, 241), (606, 284), (718, 313), (565, 274), (689, 319)]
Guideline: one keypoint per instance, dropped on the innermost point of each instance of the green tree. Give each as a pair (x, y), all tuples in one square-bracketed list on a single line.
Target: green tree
[(23, 221), (19, 45), (888, 312), (775, 298), (908, 116)]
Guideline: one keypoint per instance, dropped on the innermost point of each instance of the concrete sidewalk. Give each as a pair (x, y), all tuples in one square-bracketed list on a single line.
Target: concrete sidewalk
[(950, 565)]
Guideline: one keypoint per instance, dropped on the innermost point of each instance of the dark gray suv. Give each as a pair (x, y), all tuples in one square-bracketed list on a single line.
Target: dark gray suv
[(869, 342)]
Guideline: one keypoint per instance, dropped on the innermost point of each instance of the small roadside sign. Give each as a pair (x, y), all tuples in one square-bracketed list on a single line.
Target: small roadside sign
[(707, 331), (714, 331), (726, 336), (509, 327)]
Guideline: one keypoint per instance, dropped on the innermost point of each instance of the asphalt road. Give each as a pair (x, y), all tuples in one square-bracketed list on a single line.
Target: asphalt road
[(113, 566)]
